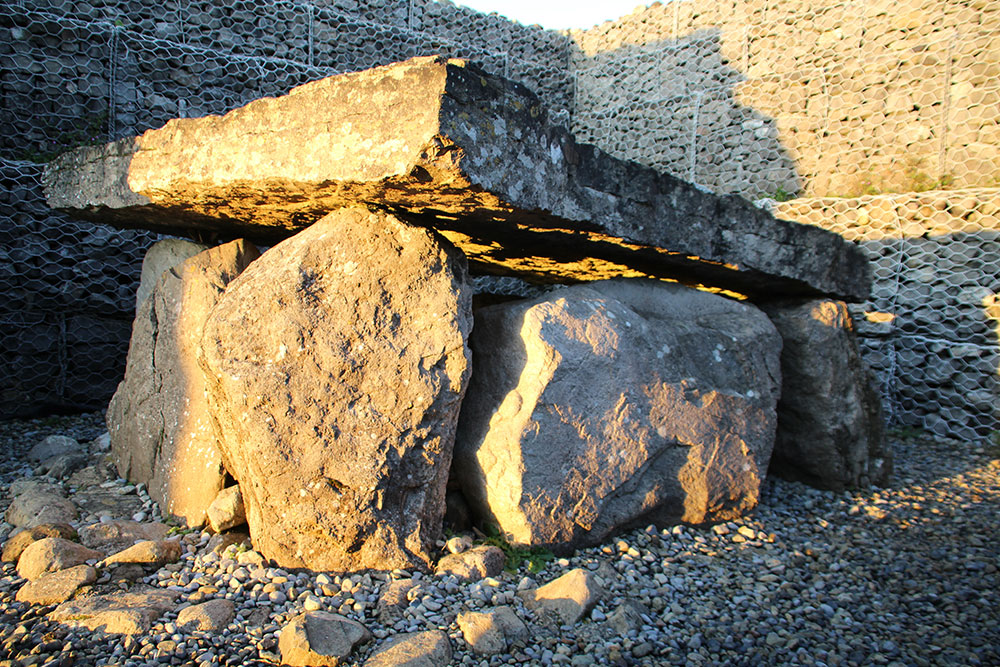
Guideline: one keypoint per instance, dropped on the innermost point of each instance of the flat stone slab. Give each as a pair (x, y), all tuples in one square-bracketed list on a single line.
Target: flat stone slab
[(444, 145)]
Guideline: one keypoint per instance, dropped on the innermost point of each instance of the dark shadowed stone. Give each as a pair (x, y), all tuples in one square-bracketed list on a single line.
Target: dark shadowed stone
[(337, 364), (469, 154), (830, 423), (160, 427)]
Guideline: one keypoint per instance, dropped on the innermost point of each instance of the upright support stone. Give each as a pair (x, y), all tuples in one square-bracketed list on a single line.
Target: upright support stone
[(466, 153), (338, 363), (830, 424), (161, 431)]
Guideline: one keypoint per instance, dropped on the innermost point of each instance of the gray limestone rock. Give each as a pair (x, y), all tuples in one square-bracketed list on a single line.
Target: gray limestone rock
[(830, 423), (148, 552), (614, 404), (56, 587), (412, 649), (114, 536), (212, 616), (469, 154), (54, 445), (17, 543), (227, 510), (337, 365), (473, 564), (570, 597), (129, 612), (40, 504), (160, 257), (492, 631), (161, 430), (51, 554), (318, 638)]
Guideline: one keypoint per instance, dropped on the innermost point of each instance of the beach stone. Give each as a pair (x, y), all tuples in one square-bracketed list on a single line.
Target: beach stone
[(491, 632), (129, 612), (394, 599), (430, 648), (338, 363), (570, 597), (40, 505), (830, 423), (161, 429), (161, 257), (227, 510), (320, 638), (64, 465), (474, 564), (676, 424), (51, 554), (474, 156), (147, 552), (627, 617), (17, 543), (222, 541), (56, 587), (212, 616), (118, 534), (52, 446)]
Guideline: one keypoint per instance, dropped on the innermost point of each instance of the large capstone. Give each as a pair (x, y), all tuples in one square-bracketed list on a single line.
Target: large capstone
[(455, 149), (830, 424), (161, 432), (614, 404), (338, 362)]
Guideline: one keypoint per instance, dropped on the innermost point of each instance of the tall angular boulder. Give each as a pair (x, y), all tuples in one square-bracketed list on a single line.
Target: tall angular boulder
[(830, 423), (163, 256), (161, 432), (598, 407), (338, 362)]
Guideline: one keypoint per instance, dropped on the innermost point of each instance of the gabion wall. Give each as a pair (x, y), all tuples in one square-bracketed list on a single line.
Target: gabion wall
[(779, 97), (930, 329), (75, 72)]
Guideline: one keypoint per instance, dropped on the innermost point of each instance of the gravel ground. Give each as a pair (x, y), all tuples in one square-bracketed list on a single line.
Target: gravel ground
[(905, 575)]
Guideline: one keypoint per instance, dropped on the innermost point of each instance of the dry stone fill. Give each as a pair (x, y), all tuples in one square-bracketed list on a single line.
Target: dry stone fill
[(51, 554), (318, 638), (830, 425), (471, 155), (337, 364), (161, 432), (56, 587), (616, 403)]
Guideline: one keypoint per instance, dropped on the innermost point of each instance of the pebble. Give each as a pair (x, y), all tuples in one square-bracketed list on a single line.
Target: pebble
[(810, 577)]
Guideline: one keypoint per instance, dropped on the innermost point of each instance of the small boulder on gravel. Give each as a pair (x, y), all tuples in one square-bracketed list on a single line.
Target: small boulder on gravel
[(227, 510), (147, 552), (570, 597), (57, 587), (38, 505), (212, 616), (320, 638), (54, 445), (64, 465), (413, 649), (113, 536), (472, 565), (124, 612), (15, 546), (492, 632), (627, 617), (51, 554)]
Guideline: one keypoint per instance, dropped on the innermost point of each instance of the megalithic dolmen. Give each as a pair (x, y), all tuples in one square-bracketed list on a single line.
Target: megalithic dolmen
[(473, 156)]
